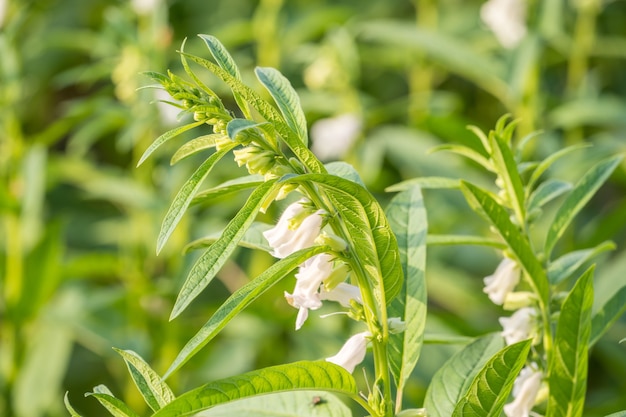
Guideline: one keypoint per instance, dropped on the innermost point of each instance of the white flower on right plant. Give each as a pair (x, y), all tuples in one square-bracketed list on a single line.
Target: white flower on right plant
[(506, 19), (333, 137), (352, 353), (525, 390), (503, 281), (289, 235), (520, 326)]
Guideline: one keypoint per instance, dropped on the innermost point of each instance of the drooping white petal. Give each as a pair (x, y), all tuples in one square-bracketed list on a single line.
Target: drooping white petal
[(520, 326), (503, 281), (352, 353), (285, 239), (525, 391)]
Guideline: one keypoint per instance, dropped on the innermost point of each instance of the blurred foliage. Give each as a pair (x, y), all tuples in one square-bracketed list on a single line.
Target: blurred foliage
[(78, 221)]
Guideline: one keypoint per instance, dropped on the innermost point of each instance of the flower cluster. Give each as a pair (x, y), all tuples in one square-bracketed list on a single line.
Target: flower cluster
[(521, 325)]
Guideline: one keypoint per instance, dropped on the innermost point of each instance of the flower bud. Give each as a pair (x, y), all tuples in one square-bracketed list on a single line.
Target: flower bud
[(352, 353)]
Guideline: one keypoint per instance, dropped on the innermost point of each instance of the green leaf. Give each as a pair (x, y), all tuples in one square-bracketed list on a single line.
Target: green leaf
[(549, 161), (319, 375), (373, 241), (506, 167), (155, 392), (563, 267), (228, 187), (205, 268), (425, 182), (286, 98), (114, 406), (408, 221), (618, 414), (165, 137), (285, 404), (608, 314), (239, 300), (484, 204), (452, 381), (345, 171), (236, 126), (194, 146), (185, 195), (567, 373), (68, 406), (546, 192), (493, 384), (576, 200), (252, 239), (268, 112), (446, 339), (446, 240), (466, 152)]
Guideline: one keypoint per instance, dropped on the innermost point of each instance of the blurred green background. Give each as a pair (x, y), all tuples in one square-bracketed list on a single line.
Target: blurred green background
[(78, 221)]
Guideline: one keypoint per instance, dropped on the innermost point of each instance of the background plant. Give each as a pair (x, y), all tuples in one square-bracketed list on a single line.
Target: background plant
[(445, 96)]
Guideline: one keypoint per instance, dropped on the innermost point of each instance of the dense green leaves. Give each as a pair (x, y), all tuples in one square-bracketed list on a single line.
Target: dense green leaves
[(567, 373), (491, 387), (293, 376), (453, 380), (239, 300), (205, 268), (407, 219)]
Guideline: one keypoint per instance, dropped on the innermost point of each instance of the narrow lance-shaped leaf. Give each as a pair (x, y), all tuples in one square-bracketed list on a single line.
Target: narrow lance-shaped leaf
[(607, 315), (407, 219), (232, 186), (165, 137), (568, 363), (268, 112), (424, 183), (507, 168), (155, 392), (286, 98), (576, 200), (546, 192), (493, 384), (484, 204), (68, 406), (205, 268), (113, 405), (239, 300), (447, 240), (319, 375), (194, 146), (185, 195), (452, 381), (549, 161), (563, 267)]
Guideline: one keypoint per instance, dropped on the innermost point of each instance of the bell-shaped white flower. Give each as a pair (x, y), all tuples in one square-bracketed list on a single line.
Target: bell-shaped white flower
[(525, 390), (520, 326), (286, 238), (506, 19), (343, 293), (503, 281), (333, 137), (352, 353)]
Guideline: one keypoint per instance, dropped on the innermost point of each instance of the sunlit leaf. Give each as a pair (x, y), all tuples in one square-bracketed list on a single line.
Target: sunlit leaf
[(608, 314), (546, 192), (239, 300), (466, 152), (114, 406), (563, 267), (493, 384), (165, 137), (549, 161), (567, 373), (68, 406), (447, 240), (577, 198), (232, 186), (252, 239), (194, 146), (506, 167)]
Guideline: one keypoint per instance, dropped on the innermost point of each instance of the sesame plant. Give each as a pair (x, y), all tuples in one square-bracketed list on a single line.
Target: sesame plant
[(338, 245)]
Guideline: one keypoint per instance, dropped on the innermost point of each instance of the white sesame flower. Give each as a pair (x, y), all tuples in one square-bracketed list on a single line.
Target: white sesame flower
[(352, 353), (333, 137), (342, 293), (144, 7), (503, 281), (286, 238), (520, 326), (506, 19), (525, 391)]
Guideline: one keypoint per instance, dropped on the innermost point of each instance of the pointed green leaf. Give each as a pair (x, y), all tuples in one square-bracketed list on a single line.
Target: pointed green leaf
[(608, 314), (549, 161), (286, 98), (205, 268), (407, 219), (452, 381), (194, 146), (546, 192), (284, 404), (238, 184), (185, 195), (252, 239), (493, 384), (506, 167), (165, 137), (425, 182), (563, 267), (484, 204), (466, 152), (155, 392), (221, 55), (576, 200), (239, 300), (345, 171), (237, 126), (567, 373), (446, 339), (268, 112), (319, 375), (373, 241), (68, 406), (618, 414), (446, 240), (113, 405)]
